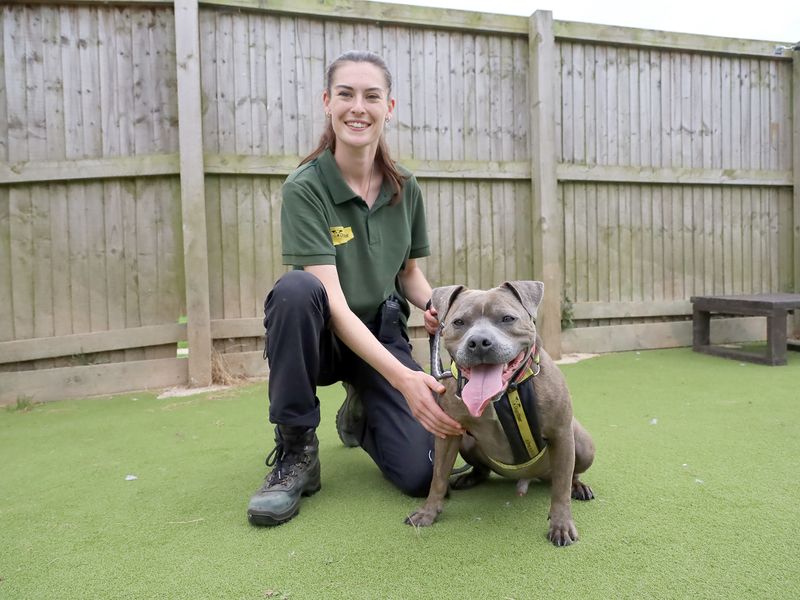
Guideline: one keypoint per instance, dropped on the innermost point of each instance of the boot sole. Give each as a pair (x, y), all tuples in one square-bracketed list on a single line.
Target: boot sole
[(270, 519)]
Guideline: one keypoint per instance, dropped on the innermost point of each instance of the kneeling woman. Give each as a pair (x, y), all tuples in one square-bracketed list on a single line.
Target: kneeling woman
[(353, 225)]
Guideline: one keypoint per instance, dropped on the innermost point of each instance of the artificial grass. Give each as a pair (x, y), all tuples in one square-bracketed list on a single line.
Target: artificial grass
[(694, 476)]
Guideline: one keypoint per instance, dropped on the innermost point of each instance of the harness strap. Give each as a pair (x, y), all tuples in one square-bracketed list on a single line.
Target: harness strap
[(522, 423), (514, 470), (518, 416)]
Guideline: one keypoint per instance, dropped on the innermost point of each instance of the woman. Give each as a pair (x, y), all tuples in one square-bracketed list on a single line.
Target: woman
[(353, 226)]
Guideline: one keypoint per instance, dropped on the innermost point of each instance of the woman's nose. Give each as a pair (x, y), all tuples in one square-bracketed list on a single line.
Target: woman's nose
[(358, 105)]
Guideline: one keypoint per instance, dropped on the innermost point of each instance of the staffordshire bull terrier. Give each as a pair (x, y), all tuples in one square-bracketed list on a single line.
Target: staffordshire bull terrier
[(512, 401)]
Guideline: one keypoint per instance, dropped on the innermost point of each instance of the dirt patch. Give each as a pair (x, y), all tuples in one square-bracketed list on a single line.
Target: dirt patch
[(180, 392), (568, 359)]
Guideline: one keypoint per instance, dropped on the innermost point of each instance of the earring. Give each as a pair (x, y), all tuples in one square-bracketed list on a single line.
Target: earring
[(327, 115)]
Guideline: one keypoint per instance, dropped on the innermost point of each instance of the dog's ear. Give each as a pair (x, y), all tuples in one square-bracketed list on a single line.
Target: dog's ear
[(529, 293), (443, 297)]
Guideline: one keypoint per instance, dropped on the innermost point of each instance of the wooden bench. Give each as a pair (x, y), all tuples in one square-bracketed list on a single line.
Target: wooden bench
[(772, 306)]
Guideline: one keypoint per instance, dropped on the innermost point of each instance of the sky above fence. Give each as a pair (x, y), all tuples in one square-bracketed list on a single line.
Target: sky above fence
[(776, 20)]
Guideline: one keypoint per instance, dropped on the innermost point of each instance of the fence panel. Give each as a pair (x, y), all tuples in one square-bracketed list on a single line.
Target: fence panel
[(94, 255), (675, 169)]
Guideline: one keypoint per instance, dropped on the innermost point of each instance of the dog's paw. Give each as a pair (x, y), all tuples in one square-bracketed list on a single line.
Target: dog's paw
[(421, 518), (581, 491), (562, 533)]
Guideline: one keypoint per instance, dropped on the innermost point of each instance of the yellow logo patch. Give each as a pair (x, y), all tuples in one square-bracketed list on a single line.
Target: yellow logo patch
[(341, 235)]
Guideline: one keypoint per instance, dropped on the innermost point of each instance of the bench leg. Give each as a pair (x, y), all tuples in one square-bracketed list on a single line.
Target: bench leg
[(701, 328), (776, 337)]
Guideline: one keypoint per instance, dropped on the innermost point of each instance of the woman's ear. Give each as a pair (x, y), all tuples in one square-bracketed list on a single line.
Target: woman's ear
[(326, 100)]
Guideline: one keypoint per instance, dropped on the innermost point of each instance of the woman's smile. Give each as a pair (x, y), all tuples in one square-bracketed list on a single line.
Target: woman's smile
[(358, 125)]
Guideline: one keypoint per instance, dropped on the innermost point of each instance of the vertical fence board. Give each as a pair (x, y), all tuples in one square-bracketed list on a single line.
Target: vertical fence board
[(644, 263), (444, 216), (6, 294), (659, 255), (6, 23)]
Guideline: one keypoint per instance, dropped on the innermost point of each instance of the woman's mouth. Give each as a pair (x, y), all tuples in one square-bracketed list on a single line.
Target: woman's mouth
[(357, 125)]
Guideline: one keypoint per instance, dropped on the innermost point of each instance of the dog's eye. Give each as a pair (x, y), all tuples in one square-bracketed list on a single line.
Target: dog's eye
[(458, 322), (509, 319)]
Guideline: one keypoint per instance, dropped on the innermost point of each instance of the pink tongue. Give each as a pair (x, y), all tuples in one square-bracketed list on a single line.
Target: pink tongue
[(485, 382)]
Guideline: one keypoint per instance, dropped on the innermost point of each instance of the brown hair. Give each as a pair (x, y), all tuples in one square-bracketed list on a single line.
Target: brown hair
[(327, 141)]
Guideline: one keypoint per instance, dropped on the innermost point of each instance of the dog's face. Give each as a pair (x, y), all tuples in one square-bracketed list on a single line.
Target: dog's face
[(488, 334)]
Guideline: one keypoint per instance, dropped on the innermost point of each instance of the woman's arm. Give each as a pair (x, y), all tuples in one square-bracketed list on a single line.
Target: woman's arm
[(418, 291), (416, 386)]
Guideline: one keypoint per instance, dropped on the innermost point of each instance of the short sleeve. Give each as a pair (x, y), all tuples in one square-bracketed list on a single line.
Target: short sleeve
[(305, 231), (420, 246)]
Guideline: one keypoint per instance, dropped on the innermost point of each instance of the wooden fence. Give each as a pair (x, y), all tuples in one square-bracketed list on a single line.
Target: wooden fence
[(143, 146)]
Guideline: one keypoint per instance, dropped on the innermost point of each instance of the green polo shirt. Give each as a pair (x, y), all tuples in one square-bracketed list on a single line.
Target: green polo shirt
[(323, 222)]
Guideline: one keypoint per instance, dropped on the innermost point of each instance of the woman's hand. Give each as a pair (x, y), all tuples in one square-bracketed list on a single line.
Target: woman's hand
[(418, 388), (431, 321)]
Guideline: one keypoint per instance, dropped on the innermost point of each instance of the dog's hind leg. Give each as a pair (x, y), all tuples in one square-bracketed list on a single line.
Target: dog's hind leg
[(581, 491), (468, 480), (584, 456)]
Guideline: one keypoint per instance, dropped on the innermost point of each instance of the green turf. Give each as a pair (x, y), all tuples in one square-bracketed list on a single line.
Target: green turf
[(695, 476)]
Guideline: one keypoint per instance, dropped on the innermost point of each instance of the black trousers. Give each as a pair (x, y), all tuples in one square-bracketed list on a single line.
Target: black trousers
[(304, 353)]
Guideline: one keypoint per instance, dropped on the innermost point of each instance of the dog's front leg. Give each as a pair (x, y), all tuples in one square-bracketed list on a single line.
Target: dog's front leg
[(562, 456), (445, 452)]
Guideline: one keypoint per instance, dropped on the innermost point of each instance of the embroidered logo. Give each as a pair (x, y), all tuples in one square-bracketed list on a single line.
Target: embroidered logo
[(341, 235)]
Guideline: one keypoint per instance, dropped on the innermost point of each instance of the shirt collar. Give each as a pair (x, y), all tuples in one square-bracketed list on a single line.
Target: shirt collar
[(340, 191)]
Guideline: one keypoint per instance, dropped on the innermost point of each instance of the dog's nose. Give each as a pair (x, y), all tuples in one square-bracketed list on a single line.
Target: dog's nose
[(479, 342)]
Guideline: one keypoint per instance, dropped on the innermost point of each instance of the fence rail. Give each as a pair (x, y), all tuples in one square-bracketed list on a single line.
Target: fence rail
[(143, 145)]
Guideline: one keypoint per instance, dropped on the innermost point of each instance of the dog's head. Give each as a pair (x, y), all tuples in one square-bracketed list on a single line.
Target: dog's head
[(488, 334)]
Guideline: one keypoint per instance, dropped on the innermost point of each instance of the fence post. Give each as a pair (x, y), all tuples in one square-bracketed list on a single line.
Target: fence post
[(193, 197), (548, 220), (796, 179)]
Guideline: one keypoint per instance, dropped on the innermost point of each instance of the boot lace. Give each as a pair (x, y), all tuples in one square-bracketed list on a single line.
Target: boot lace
[(276, 459), (285, 464)]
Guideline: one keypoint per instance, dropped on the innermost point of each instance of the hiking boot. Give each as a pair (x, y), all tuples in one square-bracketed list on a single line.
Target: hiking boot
[(350, 418), (296, 473)]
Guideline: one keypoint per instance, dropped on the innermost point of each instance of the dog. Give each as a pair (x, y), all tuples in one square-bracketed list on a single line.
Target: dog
[(512, 401)]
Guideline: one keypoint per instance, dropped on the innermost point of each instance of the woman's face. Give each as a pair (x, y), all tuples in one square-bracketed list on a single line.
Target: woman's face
[(358, 104)]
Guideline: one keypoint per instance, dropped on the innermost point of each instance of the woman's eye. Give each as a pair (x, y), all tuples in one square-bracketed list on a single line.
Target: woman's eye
[(509, 319)]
